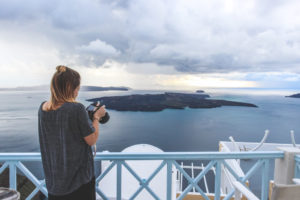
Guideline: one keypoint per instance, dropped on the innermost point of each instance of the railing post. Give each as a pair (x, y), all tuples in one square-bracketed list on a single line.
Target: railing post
[(265, 180), (297, 167), (284, 167), (237, 195), (218, 180), (12, 175), (169, 180), (119, 180)]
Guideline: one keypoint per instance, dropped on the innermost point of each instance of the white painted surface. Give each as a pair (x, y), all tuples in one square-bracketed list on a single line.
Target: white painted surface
[(226, 177), (296, 181), (241, 189), (285, 167)]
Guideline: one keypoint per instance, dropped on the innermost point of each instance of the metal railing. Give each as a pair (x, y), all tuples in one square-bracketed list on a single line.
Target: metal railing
[(297, 166), (215, 160), (192, 168)]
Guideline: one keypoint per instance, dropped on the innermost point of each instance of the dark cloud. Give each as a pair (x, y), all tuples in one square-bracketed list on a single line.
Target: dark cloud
[(192, 36)]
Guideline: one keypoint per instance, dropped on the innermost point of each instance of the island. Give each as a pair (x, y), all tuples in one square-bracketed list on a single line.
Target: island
[(167, 100), (199, 91), (294, 95)]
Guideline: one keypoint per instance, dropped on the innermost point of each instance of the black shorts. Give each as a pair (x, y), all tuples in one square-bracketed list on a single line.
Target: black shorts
[(85, 192)]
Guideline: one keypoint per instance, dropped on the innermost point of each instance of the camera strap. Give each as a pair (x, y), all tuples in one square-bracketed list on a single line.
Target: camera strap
[(95, 150)]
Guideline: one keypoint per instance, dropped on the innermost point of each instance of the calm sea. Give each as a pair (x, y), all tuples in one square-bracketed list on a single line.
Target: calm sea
[(170, 130)]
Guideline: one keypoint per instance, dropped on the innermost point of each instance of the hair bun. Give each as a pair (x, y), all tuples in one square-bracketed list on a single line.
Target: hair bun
[(61, 68)]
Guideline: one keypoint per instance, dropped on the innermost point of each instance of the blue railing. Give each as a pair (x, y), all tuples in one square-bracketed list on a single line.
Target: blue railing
[(216, 160), (297, 166)]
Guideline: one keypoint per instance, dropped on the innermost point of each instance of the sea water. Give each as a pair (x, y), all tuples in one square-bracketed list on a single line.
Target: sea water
[(169, 130)]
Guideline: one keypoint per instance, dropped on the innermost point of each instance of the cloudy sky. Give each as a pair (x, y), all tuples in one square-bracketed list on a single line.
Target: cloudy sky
[(152, 44)]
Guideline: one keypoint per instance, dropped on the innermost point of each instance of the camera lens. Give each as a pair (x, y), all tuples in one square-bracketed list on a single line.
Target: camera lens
[(104, 119)]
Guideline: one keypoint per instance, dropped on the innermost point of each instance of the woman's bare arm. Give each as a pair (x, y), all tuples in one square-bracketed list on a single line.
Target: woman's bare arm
[(92, 138)]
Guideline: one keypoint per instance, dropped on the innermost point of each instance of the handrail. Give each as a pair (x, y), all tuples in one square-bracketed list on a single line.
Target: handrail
[(217, 161), (292, 133), (262, 141), (156, 156), (236, 147), (297, 166)]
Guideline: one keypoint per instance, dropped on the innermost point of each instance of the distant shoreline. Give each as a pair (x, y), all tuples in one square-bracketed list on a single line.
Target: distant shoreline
[(82, 88)]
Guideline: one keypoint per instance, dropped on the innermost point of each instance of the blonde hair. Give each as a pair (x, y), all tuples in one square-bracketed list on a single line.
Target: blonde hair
[(63, 84)]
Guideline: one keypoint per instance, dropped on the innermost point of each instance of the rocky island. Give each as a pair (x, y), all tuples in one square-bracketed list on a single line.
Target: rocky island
[(159, 102), (294, 95), (199, 91)]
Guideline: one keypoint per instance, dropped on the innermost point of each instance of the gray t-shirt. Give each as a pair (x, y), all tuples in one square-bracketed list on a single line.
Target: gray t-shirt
[(67, 159)]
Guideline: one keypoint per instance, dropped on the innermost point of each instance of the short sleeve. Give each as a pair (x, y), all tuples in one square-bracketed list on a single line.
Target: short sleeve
[(85, 124)]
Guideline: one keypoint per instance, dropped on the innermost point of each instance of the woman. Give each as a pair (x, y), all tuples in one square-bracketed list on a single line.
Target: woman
[(66, 135)]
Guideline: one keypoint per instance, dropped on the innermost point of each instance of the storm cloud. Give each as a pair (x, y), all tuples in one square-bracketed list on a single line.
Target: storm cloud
[(192, 36)]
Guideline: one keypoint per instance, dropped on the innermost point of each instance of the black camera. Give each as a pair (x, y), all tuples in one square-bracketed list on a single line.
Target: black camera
[(91, 109)]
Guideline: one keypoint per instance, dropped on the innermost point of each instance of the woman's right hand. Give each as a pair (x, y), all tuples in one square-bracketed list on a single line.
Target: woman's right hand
[(100, 112), (92, 138)]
